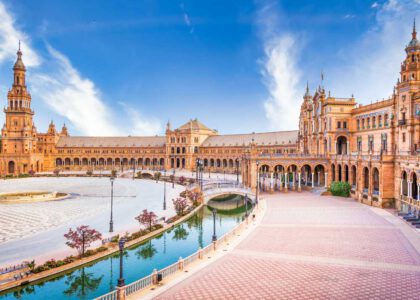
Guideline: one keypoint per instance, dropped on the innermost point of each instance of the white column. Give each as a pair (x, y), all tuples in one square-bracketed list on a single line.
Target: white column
[(313, 181), (285, 182), (409, 188), (299, 179), (418, 194), (326, 179), (319, 178), (271, 182), (348, 147)]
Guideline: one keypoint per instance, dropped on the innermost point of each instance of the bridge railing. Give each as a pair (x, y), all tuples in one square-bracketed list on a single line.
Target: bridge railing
[(178, 266)]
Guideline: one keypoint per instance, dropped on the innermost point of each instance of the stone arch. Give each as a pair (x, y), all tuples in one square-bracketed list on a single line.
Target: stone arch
[(117, 161), (319, 174), (341, 145), (218, 163), (93, 161), (206, 162), (264, 168), (125, 161), (76, 161), (230, 163), (306, 172), (58, 162), (85, 161), (133, 161), (365, 179), (162, 161), (353, 175), (147, 162), (404, 179), (375, 180), (212, 162), (67, 161), (346, 173), (224, 162), (414, 187), (101, 161), (109, 161), (11, 167), (140, 161)]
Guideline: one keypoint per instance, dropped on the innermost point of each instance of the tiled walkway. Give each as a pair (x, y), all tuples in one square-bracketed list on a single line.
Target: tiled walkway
[(314, 247)]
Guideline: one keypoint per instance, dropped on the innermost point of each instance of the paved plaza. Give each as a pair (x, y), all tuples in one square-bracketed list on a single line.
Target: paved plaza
[(35, 230), (314, 247)]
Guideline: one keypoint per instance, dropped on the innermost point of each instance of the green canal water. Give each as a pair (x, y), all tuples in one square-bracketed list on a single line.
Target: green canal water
[(101, 277)]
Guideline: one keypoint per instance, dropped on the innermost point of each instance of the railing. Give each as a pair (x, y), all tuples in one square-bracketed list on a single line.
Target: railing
[(137, 285), (149, 280), (110, 296)]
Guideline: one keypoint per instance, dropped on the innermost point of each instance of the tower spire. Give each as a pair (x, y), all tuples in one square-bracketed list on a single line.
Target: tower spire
[(414, 34)]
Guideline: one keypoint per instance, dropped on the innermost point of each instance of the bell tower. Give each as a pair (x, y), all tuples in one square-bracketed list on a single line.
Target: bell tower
[(407, 86), (19, 134)]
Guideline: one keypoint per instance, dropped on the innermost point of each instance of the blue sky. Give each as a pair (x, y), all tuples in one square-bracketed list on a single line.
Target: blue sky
[(126, 67)]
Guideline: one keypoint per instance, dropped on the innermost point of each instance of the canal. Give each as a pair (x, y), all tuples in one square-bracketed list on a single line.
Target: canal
[(101, 277)]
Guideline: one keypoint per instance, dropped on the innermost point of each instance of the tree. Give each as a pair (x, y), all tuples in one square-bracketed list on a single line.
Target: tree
[(81, 238), (139, 174), (157, 176), (194, 196), (82, 284), (147, 251), (147, 218), (114, 173), (57, 172), (180, 205), (181, 180), (180, 233), (31, 265)]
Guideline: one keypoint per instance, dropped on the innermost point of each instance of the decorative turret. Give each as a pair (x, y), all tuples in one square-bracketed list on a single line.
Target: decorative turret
[(168, 126), (307, 93), (414, 44), (64, 131), (51, 128)]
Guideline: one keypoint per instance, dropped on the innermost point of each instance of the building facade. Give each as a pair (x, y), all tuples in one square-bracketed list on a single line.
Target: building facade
[(373, 147)]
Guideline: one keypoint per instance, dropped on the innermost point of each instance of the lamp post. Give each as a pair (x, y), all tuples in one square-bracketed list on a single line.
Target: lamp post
[(214, 238), (111, 221), (258, 183), (134, 170), (246, 205), (164, 190), (237, 171), (173, 178), (121, 281)]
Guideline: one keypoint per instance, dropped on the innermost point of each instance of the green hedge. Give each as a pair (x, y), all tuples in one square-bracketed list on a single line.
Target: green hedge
[(340, 189)]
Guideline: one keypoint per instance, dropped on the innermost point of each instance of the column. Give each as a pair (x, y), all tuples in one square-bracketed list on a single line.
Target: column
[(271, 183), (348, 147), (326, 179), (401, 187), (280, 175), (313, 180), (285, 182), (408, 189), (293, 182), (299, 184), (319, 178), (306, 178)]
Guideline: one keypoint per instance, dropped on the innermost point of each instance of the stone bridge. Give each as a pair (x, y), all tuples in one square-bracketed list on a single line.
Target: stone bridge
[(220, 188)]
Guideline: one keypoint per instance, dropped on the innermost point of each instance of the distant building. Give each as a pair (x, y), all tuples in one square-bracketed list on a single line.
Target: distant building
[(373, 147)]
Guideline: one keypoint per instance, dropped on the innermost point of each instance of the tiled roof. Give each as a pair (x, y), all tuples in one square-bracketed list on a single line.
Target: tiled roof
[(130, 141), (194, 125), (266, 138)]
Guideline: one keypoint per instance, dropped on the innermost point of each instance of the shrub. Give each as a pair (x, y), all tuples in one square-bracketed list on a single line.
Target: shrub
[(115, 238), (89, 173), (139, 174), (101, 249), (341, 189), (114, 173), (60, 263)]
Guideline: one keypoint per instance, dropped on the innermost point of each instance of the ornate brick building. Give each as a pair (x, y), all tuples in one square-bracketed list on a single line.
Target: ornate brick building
[(373, 147)]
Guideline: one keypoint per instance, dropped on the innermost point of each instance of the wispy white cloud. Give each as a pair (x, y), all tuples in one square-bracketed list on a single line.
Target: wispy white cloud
[(187, 19), (374, 5), (370, 67), (64, 89), (73, 97), (9, 40), (280, 71), (140, 124)]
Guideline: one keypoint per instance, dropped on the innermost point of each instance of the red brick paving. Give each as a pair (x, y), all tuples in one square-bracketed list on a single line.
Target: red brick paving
[(330, 233)]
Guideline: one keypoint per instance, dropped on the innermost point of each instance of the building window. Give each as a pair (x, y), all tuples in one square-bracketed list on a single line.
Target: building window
[(359, 143), (403, 137), (344, 125), (358, 124), (338, 124)]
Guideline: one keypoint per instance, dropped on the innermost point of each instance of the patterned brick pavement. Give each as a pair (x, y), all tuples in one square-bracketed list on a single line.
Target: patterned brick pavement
[(312, 247)]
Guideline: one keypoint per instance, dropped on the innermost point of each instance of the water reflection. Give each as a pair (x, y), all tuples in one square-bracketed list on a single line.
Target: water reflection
[(101, 277), (81, 284)]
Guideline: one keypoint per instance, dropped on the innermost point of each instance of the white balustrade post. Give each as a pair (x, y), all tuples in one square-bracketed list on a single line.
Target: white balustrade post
[(293, 178), (285, 182), (313, 179), (326, 179)]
